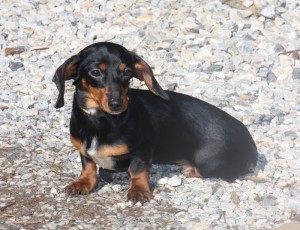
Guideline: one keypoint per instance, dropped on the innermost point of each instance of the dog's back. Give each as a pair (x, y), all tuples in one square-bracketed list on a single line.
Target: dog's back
[(192, 131)]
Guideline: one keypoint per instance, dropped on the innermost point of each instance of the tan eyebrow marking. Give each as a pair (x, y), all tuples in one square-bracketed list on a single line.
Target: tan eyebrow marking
[(102, 66), (122, 67)]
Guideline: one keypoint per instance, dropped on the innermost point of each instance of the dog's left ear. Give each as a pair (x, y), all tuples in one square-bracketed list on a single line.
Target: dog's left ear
[(67, 71), (143, 72)]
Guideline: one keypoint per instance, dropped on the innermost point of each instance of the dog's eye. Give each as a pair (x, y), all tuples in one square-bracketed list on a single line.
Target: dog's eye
[(95, 73), (127, 72)]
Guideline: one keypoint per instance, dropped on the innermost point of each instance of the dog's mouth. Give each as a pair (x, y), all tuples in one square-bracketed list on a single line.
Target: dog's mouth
[(115, 112)]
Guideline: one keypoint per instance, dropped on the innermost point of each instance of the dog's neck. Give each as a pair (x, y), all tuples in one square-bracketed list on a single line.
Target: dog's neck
[(89, 111)]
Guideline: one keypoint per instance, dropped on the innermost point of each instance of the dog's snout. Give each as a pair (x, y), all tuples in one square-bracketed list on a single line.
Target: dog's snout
[(115, 104)]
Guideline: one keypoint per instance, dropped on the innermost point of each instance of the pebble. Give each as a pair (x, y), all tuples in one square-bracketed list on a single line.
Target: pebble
[(213, 68), (296, 73), (271, 77), (291, 134), (27, 101), (163, 181), (26, 176), (53, 191), (14, 66), (30, 112), (14, 50), (174, 181), (231, 55), (248, 3), (268, 11)]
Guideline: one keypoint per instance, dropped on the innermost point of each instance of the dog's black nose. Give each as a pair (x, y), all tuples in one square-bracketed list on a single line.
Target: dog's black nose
[(115, 104)]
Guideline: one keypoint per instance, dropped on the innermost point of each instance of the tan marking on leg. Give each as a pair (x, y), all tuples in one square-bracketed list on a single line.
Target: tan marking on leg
[(78, 144), (139, 187), (86, 181), (191, 172)]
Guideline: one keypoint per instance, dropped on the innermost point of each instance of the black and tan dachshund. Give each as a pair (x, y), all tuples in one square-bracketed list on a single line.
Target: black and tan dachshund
[(119, 128)]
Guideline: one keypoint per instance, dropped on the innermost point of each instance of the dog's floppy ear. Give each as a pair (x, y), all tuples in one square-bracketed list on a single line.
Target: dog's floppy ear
[(143, 72), (67, 71)]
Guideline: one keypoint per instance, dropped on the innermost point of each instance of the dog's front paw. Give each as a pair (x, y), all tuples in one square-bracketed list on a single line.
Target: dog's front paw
[(79, 186), (139, 195)]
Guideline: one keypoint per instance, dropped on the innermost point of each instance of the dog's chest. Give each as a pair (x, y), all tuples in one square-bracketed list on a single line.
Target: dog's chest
[(103, 155)]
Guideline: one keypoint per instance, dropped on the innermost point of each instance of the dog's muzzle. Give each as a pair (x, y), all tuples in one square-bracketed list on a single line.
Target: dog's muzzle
[(115, 105)]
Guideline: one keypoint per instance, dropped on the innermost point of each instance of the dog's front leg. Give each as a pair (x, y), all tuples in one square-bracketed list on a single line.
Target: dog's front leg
[(87, 179), (139, 186)]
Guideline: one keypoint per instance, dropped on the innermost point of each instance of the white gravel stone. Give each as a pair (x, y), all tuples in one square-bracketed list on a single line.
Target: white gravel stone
[(163, 181), (248, 3), (174, 181), (53, 191), (268, 12)]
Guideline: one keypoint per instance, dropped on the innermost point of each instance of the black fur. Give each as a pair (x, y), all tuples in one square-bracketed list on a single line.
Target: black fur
[(170, 127)]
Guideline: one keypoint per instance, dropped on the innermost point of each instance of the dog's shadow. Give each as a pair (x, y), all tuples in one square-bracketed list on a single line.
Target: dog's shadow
[(160, 171), (122, 178)]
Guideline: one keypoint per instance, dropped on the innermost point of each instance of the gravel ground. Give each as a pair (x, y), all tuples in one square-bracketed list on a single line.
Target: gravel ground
[(242, 56)]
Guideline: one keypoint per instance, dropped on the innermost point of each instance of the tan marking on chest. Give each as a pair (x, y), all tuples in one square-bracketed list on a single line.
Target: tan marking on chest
[(103, 155), (112, 150)]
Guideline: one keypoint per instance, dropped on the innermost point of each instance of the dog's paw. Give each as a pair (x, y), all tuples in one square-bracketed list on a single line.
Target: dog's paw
[(139, 195), (82, 187)]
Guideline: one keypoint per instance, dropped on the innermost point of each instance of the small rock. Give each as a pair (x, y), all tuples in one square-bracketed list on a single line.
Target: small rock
[(26, 176), (279, 48), (293, 135), (52, 226), (15, 65), (101, 20), (268, 12), (271, 77), (245, 13), (235, 198), (174, 181), (117, 188), (27, 101), (53, 191), (30, 112), (172, 86), (296, 73), (269, 201), (163, 181), (15, 50), (258, 4), (248, 3), (213, 68)]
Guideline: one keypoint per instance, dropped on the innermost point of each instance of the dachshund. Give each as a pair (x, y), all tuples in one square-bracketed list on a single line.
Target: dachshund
[(116, 127)]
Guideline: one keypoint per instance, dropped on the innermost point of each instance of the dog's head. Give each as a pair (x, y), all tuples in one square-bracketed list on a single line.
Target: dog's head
[(101, 72)]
